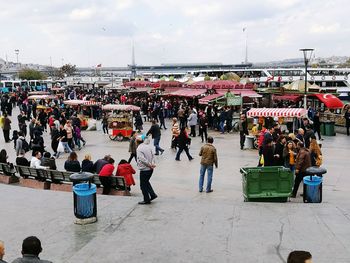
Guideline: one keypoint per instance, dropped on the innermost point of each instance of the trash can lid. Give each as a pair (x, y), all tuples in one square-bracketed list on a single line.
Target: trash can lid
[(314, 170), (81, 177), (312, 180)]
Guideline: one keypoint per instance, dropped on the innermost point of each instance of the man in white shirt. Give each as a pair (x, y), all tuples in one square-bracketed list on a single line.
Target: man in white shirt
[(35, 161)]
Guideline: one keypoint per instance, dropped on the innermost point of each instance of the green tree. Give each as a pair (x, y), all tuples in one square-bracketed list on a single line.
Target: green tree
[(31, 74), (206, 78), (68, 69)]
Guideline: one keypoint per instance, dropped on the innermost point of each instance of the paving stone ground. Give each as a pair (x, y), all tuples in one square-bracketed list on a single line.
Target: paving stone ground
[(183, 225)]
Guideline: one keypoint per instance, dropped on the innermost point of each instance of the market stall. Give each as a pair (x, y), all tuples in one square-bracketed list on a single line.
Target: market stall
[(285, 116), (87, 121), (120, 120)]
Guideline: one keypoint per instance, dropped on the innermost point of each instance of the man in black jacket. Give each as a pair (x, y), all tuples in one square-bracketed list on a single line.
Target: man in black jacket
[(243, 130), (155, 132)]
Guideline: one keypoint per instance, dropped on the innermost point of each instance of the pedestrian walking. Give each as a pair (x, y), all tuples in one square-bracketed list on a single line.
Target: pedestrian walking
[(105, 124), (6, 128), (303, 161), (132, 147), (175, 133), (243, 130), (203, 127), (209, 159), (347, 121), (192, 122), (156, 134), (146, 165), (183, 142)]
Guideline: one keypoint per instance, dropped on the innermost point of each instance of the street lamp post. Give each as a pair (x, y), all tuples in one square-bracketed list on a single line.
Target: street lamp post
[(307, 52)]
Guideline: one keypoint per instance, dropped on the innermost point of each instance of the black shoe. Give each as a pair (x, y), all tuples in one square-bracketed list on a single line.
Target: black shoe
[(154, 197), (156, 154), (84, 142), (161, 152), (144, 203), (177, 159), (209, 191), (201, 191), (191, 159)]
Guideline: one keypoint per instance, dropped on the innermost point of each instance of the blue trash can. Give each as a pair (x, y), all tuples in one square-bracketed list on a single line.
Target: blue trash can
[(85, 200), (312, 189)]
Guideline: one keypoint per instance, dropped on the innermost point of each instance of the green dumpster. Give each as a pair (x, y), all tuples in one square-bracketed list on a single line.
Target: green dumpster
[(270, 184), (329, 128), (322, 129)]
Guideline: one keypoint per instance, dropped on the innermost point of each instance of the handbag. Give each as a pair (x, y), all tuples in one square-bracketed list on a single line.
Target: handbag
[(60, 147)]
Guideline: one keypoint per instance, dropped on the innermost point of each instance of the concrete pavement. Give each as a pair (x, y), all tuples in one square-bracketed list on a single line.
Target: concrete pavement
[(183, 225)]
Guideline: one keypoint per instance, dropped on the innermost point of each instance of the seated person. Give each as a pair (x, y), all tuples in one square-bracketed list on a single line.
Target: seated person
[(3, 156), (105, 176), (48, 161), (21, 159), (72, 164), (35, 162), (125, 169), (31, 248), (87, 164)]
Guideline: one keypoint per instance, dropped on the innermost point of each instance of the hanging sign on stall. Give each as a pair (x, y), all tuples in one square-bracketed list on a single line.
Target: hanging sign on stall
[(233, 100)]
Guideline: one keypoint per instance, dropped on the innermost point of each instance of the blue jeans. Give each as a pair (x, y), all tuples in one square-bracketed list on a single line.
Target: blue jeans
[(156, 145), (66, 148), (222, 126), (204, 168)]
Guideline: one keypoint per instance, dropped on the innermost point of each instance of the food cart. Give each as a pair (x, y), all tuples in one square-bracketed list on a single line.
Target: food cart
[(46, 105), (84, 119), (120, 120), (284, 115)]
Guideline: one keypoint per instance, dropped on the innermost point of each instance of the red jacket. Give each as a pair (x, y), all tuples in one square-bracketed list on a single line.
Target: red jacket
[(126, 171), (107, 170)]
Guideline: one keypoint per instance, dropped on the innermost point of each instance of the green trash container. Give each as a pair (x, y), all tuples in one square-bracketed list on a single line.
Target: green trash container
[(329, 128), (322, 129), (267, 184)]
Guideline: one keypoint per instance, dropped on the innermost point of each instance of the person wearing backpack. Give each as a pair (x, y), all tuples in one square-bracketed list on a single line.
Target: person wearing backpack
[(21, 144)]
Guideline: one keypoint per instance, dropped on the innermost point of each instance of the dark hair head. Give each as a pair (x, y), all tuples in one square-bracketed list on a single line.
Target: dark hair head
[(122, 161), (31, 245), (107, 157), (20, 133), (280, 138), (73, 156), (268, 140), (301, 144), (47, 154), (298, 256), (154, 121), (132, 133), (111, 161), (210, 139), (36, 153)]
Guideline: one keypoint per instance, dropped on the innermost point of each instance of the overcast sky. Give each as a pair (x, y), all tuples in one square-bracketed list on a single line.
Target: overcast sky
[(87, 33)]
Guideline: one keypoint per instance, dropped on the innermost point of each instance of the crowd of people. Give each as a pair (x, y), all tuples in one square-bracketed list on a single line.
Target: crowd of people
[(296, 151)]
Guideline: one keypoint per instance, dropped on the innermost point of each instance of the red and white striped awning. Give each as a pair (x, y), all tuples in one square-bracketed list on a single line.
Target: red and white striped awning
[(82, 102), (276, 112), (120, 107)]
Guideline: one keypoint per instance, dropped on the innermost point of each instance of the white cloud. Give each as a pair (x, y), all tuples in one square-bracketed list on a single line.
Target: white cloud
[(88, 32), (324, 29), (82, 14)]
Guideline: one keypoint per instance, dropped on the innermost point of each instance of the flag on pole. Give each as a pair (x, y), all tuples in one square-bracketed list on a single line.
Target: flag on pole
[(99, 65)]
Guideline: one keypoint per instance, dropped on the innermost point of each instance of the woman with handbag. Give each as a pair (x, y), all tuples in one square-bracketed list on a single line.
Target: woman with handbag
[(183, 141)]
